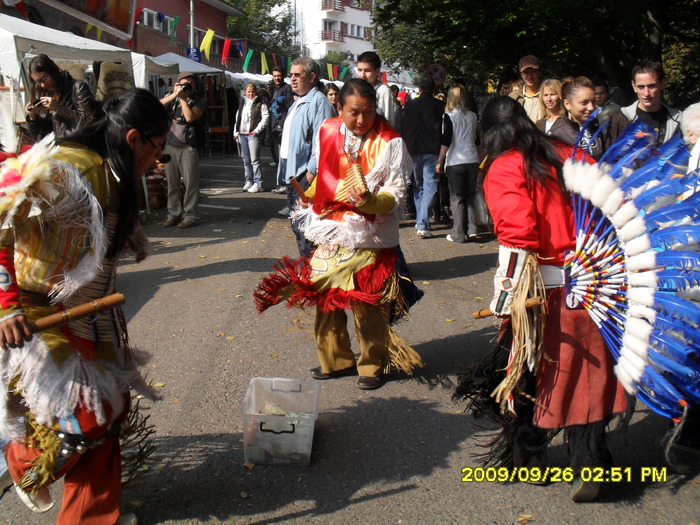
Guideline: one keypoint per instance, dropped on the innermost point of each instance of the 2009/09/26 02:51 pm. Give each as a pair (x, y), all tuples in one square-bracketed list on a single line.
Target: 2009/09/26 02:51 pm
[(562, 474)]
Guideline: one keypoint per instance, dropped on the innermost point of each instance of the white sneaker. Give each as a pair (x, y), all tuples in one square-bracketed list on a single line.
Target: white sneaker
[(247, 186), (40, 502), (254, 188), (425, 234)]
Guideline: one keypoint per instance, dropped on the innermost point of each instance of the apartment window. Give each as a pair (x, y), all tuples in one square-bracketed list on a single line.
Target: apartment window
[(150, 18)]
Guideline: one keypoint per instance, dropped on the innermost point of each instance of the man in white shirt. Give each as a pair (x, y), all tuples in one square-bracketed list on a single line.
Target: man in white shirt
[(369, 68)]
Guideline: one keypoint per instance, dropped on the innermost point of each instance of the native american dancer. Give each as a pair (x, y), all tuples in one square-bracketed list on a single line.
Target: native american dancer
[(67, 214), (558, 372), (354, 219)]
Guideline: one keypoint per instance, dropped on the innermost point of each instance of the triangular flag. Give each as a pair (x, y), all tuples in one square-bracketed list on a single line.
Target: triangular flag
[(161, 17), (247, 60), (173, 28), (99, 33), (263, 64), (88, 28), (343, 72), (21, 9), (329, 68), (206, 42), (225, 52), (274, 59), (137, 16), (384, 81), (335, 71)]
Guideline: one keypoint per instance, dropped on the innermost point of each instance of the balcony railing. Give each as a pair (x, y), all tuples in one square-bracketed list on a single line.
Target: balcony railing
[(333, 5), (332, 35)]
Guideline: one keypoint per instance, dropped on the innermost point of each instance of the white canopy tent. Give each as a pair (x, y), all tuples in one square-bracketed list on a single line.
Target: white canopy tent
[(145, 66), (19, 38), (185, 64)]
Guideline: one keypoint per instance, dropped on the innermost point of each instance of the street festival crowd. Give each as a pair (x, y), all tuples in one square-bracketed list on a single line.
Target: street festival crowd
[(354, 162)]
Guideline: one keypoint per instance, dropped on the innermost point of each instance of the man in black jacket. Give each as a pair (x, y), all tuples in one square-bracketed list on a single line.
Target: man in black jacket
[(421, 130), (59, 103), (281, 100)]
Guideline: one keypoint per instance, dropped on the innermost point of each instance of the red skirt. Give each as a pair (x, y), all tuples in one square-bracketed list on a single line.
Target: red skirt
[(576, 384)]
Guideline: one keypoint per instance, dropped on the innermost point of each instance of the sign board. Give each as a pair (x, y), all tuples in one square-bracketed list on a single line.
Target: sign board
[(437, 73), (194, 54), (114, 16)]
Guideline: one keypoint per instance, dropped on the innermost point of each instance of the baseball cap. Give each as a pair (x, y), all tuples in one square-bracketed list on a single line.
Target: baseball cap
[(529, 61), (184, 74)]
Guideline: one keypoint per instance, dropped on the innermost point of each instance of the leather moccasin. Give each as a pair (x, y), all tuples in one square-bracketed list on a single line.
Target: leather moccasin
[(369, 383), (317, 373)]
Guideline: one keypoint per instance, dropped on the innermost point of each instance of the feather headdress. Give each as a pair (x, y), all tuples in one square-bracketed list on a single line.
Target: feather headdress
[(635, 265)]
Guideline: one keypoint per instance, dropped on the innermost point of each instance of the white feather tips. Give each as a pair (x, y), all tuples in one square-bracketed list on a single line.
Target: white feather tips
[(632, 229), (626, 213), (647, 279), (641, 261), (637, 245), (643, 296)]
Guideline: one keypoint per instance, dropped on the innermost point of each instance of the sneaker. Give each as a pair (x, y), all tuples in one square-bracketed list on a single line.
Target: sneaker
[(452, 239), (39, 502), (187, 224), (273, 164), (172, 222), (425, 234), (284, 211), (255, 188), (279, 190), (247, 186)]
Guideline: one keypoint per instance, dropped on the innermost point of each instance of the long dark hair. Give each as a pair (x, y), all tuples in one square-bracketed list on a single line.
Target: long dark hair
[(136, 109), (506, 126), (43, 65)]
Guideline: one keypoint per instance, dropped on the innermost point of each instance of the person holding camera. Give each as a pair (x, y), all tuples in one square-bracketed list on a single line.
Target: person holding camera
[(58, 103), (186, 109)]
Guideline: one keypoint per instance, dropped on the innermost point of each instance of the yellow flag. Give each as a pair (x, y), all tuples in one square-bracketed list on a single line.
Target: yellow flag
[(206, 42), (330, 71), (88, 27), (99, 33), (263, 64)]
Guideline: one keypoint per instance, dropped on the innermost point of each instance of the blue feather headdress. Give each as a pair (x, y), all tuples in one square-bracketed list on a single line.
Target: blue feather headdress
[(636, 264)]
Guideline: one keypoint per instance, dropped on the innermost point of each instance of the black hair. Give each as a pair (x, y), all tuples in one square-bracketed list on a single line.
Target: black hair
[(135, 109), (506, 126), (371, 58), (426, 85), (359, 87), (278, 69), (330, 86), (43, 65), (649, 65)]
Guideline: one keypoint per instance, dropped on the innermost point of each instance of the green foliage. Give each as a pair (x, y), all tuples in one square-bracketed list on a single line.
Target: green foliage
[(268, 26), (475, 39)]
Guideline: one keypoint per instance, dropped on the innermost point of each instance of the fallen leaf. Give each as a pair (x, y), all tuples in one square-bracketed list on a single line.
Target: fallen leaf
[(477, 298), (230, 338), (161, 385), (273, 355), (524, 518), (249, 466), (426, 282), (239, 295), (450, 320), (220, 334), (244, 494), (244, 242), (202, 256)]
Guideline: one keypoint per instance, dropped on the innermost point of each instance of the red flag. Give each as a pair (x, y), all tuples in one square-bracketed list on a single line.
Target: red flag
[(21, 9), (384, 81), (225, 51), (274, 59), (335, 72), (137, 15)]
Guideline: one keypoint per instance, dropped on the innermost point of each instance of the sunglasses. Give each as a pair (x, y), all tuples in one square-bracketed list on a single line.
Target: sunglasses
[(42, 80)]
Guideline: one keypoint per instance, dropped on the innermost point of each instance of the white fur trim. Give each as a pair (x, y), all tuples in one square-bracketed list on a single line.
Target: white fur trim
[(641, 261), (632, 363), (647, 278), (640, 331), (637, 245), (632, 229), (643, 296), (625, 379), (626, 213), (642, 312)]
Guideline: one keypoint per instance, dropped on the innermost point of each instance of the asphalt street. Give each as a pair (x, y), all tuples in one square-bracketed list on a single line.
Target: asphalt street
[(393, 455)]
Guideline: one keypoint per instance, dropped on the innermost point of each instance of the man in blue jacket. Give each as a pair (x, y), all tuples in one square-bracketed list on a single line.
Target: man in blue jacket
[(303, 121)]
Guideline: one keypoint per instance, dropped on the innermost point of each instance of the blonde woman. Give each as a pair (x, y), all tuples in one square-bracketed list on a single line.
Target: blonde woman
[(460, 160), (251, 120), (551, 99)]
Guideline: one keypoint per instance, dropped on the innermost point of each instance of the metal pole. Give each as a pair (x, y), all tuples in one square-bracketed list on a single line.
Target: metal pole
[(191, 24)]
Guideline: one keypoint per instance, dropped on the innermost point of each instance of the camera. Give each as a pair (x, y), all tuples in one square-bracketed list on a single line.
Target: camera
[(186, 88)]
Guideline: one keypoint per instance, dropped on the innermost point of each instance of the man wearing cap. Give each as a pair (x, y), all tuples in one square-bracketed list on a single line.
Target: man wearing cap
[(529, 68), (186, 108)]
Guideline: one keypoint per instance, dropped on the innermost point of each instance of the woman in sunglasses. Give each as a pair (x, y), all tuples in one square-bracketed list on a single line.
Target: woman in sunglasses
[(58, 102)]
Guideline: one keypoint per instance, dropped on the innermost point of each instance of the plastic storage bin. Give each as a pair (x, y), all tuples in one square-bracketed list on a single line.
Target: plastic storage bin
[(278, 421)]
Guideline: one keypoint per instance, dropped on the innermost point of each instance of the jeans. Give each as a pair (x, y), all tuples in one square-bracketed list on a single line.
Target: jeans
[(462, 181), (425, 184), (250, 151)]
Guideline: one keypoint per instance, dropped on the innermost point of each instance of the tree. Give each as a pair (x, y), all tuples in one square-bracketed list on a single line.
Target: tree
[(268, 26), (477, 39), (338, 58)]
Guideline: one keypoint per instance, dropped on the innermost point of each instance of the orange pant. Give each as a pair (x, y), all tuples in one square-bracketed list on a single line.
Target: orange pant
[(92, 489)]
